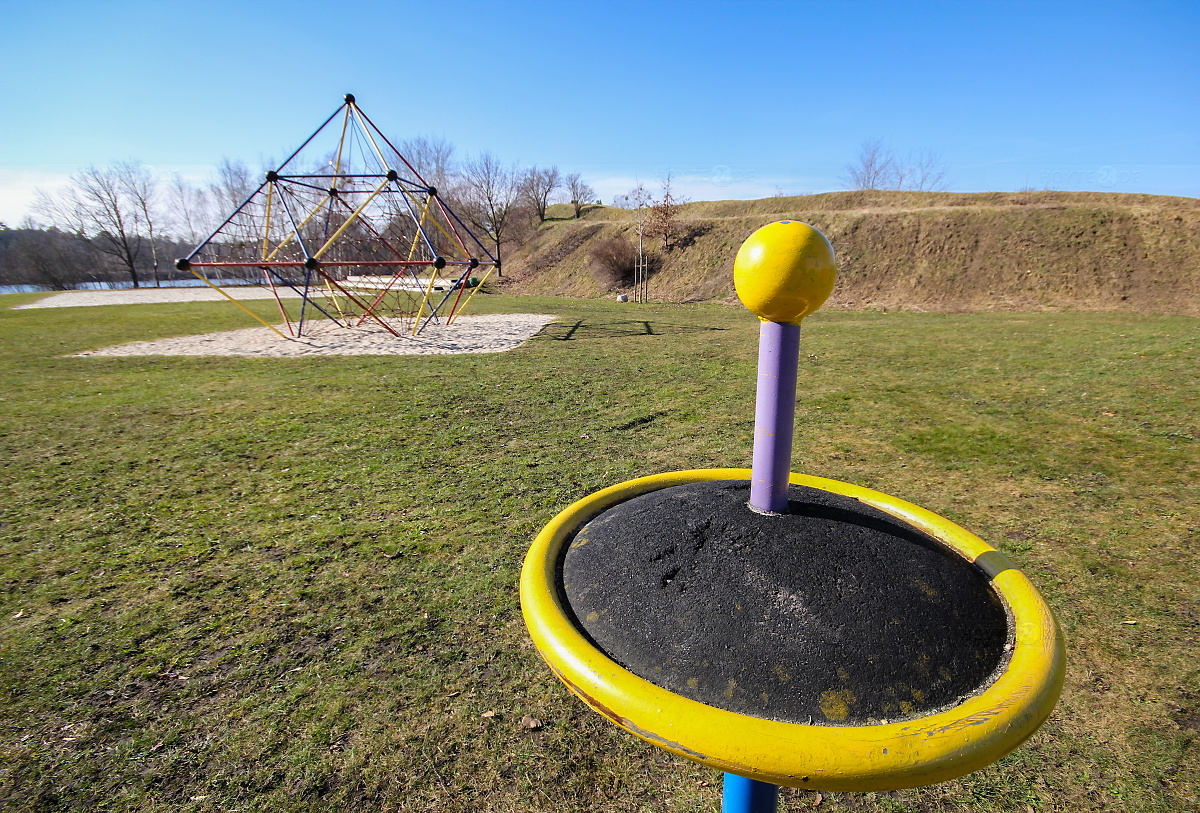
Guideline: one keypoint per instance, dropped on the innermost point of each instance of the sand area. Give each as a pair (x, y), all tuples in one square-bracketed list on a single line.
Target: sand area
[(150, 296), (488, 333)]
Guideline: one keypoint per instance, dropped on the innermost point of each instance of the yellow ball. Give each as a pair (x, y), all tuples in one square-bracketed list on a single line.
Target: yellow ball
[(784, 271)]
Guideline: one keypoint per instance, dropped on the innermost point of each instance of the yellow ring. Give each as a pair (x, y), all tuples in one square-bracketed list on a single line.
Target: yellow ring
[(890, 756)]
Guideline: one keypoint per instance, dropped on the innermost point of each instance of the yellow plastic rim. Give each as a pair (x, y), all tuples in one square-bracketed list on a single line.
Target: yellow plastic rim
[(889, 756)]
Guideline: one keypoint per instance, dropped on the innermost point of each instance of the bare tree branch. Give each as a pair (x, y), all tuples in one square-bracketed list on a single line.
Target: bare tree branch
[(140, 188), (432, 157), (489, 193), (664, 215), (233, 185), (875, 169), (189, 209), (878, 167), (107, 206), (536, 188), (925, 172), (581, 194), (638, 201)]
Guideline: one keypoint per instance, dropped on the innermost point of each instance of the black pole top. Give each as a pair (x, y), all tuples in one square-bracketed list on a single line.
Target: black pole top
[(182, 264), (311, 263), (474, 263), (392, 175), (349, 97), (432, 190), (272, 175), (439, 263)]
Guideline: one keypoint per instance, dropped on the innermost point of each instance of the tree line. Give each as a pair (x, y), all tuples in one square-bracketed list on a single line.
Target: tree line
[(124, 224)]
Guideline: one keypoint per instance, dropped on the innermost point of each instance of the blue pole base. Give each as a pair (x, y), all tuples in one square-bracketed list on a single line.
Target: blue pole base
[(742, 795)]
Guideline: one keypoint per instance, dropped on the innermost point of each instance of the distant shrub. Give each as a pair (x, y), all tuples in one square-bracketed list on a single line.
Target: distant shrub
[(613, 261)]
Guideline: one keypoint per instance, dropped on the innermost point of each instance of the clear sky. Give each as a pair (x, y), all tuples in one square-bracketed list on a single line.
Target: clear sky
[(736, 100)]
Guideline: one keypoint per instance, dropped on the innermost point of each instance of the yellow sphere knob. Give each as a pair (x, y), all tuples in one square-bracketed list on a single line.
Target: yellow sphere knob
[(784, 271)]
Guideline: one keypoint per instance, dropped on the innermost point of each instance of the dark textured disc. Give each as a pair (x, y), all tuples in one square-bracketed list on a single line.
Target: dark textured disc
[(832, 614)]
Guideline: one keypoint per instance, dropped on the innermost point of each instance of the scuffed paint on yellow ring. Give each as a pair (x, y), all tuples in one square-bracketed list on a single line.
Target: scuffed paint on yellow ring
[(915, 752)]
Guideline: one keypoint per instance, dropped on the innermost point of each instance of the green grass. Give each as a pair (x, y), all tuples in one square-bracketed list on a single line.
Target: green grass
[(291, 584)]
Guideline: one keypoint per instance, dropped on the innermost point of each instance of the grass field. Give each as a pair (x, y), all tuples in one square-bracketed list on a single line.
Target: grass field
[(291, 584)]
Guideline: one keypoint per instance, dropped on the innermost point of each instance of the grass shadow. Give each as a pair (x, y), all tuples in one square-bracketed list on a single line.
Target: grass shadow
[(582, 329)]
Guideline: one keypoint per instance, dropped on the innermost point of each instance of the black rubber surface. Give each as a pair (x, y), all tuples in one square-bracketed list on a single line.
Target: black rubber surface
[(832, 614)]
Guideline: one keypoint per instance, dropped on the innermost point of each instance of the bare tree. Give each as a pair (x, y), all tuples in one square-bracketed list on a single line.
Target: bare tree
[(924, 171), (141, 188), (489, 194), (232, 187), (536, 188), (581, 194), (230, 190), (665, 215), (188, 209), (878, 167), (638, 201), (433, 159), (632, 200), (875, 168), (110, 206)]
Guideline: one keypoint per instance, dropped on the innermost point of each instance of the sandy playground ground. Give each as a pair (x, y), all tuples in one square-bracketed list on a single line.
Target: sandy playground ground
[(491, 333)]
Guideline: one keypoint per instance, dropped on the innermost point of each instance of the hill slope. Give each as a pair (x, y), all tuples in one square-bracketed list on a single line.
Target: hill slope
[(916, 250)]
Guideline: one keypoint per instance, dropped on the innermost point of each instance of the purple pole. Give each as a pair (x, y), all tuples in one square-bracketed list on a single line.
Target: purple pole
[(774, 419), (774, 415)]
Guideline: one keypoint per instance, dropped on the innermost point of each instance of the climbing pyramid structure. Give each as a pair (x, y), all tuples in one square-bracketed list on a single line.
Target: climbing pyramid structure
[(348, 225)]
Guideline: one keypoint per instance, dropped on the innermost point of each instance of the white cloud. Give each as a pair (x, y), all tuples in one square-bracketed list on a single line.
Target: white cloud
[(17, 190)]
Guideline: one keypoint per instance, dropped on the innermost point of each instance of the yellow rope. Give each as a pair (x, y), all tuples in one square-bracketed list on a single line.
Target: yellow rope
[(463, 307), (234, 301)]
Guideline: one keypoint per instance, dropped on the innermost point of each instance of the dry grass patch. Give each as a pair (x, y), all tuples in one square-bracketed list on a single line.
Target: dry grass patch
[(290, 584)]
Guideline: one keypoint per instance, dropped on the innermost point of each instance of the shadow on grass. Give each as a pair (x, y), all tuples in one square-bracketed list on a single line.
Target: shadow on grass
[(581, 329)]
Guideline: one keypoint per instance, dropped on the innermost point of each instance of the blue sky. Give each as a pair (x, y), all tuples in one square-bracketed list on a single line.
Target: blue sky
[(736, 100)]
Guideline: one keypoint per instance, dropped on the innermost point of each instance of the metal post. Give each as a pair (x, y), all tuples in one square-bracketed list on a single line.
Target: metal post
[(640, 274), (774, 415), (742, 795), (640, 279)]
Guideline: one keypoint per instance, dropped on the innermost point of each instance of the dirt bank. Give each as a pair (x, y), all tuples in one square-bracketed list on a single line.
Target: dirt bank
[(918, 251)]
